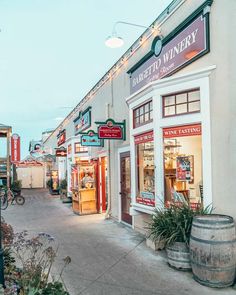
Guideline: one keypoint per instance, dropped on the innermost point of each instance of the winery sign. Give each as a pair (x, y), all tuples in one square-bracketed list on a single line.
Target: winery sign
[(112, 130), (189, 43)]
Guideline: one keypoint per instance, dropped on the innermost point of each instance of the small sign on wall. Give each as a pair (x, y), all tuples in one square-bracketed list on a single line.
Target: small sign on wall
[(112, 130), (91, 139), (83, 121)]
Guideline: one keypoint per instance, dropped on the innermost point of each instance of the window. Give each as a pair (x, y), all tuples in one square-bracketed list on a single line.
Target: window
[(145, 169), (181, 103), (143, 114), (80, 149)]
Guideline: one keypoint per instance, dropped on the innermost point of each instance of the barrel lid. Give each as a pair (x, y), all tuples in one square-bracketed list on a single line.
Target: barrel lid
[(213, 218)]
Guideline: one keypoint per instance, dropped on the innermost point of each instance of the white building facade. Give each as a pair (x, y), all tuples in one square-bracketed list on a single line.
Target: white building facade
[(175, 92)]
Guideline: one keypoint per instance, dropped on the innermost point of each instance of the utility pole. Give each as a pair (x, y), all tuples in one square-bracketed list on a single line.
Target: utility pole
[(2, 280)]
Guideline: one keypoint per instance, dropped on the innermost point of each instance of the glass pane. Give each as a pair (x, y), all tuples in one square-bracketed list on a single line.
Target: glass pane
[(141, 109), (168, 111), (141, 120), (136, 112), (182, 108), (194, 106), (180, 98), (151, 116), (169, 100), (194, 95), (146, 175), (150, 105), (147, 108), (146, 117), (137, 121)]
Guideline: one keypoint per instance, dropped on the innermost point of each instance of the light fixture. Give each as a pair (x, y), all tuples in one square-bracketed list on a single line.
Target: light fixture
[(115, 41)]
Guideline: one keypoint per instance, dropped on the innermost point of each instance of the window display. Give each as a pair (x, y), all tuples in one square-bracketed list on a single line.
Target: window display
[(183, 163), (84, 199), (145, 170)]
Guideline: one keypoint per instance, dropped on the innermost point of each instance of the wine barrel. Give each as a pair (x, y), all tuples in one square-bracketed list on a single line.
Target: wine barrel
[(178, 256), (212, 250)]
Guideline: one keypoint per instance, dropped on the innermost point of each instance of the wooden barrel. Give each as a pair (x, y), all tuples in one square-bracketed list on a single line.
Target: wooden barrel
[(178, 256), (212, 250)]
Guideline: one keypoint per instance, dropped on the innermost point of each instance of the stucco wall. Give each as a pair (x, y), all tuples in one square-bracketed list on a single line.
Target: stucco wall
[(222, 104)]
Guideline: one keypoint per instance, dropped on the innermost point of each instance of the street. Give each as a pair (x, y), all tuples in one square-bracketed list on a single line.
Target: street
[(107, 257)]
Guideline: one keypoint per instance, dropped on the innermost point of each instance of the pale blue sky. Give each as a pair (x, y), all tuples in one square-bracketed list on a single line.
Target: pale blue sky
[(52, 52)]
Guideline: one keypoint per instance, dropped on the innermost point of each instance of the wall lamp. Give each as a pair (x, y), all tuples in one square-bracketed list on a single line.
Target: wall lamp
[(115, 41)]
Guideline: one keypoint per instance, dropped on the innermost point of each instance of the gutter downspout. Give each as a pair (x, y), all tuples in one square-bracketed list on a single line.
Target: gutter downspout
[(108, 211)]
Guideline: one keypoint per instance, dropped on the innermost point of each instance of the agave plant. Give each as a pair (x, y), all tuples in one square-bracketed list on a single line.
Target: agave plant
[(173, 224)]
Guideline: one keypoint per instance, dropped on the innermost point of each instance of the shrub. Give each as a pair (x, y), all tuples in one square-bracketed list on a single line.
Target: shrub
[(63, 184), (173, 224), (16, 185)]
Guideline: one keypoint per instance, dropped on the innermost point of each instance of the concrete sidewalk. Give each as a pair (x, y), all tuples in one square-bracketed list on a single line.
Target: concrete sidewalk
[(108, 258)]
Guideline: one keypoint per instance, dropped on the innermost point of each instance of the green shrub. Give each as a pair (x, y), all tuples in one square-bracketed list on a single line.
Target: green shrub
[(55, 288), (173, 224), (16, 185), (63, 184)]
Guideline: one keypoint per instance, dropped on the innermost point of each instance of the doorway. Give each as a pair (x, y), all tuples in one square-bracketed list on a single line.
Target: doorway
[(125, 187)]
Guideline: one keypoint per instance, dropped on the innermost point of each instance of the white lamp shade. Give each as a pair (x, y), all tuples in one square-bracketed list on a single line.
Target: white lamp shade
[(114, 41)]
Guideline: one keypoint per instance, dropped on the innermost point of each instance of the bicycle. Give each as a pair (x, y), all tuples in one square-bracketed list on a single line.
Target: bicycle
[(8, 195)]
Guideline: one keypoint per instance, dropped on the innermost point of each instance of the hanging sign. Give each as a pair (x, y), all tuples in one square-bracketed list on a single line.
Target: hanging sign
[(111, 129), (144, 137), (190, 42), (61, 152), (15, 148), (83, 121), (180, 131), (61, 137), (91, 139)]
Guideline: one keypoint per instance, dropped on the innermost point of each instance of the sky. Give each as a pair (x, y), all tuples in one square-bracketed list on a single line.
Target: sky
[(52, 53)]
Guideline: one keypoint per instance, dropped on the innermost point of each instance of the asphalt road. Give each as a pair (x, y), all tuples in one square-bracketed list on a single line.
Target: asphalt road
[(108, 258)]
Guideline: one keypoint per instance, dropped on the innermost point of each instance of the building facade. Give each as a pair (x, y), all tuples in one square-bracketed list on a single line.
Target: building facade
[(171, 95)]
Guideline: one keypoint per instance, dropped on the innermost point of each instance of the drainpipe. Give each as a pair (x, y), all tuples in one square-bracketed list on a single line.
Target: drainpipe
[(108, 212)]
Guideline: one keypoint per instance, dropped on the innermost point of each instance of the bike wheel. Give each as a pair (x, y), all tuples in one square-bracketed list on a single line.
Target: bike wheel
[(4, 202), (20, 200)]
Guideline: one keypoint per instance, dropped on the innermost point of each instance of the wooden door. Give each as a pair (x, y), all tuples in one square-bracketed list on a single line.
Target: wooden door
[(125, 187)]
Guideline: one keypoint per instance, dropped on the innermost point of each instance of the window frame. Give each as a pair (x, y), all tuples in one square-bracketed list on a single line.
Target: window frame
[(179, 104), (150, 110)]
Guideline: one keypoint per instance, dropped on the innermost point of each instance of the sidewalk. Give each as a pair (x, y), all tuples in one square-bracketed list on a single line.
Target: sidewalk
[(108, 258)]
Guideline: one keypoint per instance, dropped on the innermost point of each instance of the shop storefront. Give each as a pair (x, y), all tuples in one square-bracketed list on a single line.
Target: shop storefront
[(182, 146), (170, 134)]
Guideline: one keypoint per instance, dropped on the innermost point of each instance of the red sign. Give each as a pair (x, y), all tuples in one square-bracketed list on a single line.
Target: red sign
[(61, 153), (180, 131), (61, 137), (145, 137), (15, 148), (110, 132)]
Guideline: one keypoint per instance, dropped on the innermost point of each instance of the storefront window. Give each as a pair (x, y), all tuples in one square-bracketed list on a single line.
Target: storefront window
[(181, 103), (145, 169), (143, 114), (183, 164)]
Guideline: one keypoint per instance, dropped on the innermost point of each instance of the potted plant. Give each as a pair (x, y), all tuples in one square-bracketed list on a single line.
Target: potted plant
[(172, 225), (63, 192), (16, 186)]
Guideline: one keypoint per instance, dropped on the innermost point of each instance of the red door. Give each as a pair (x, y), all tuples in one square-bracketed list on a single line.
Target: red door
[(125, 187)]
